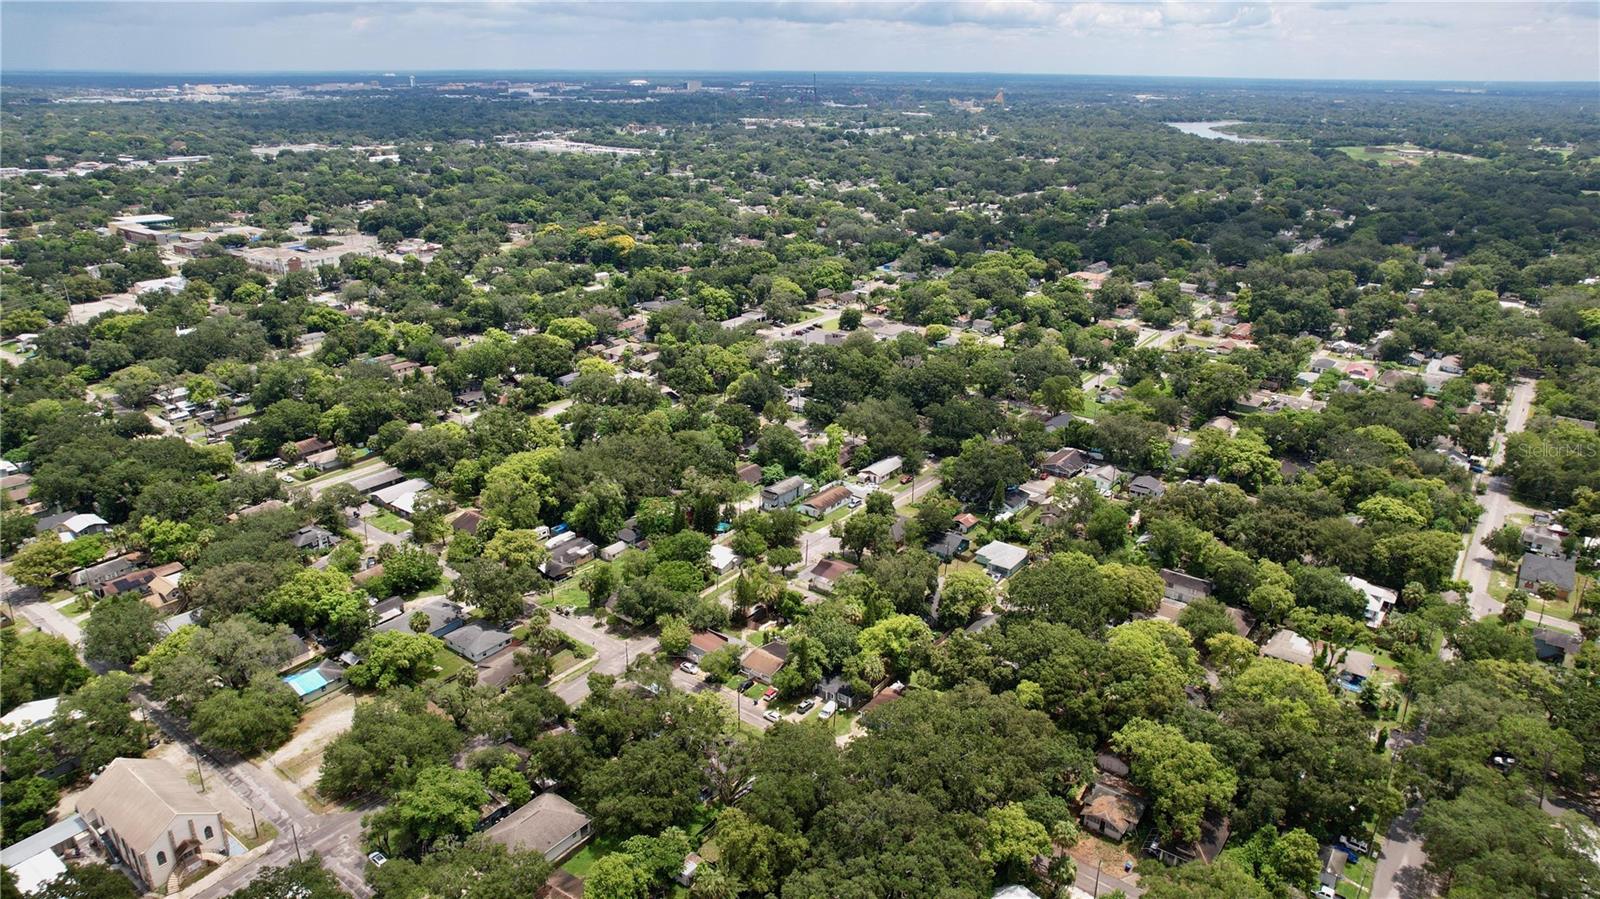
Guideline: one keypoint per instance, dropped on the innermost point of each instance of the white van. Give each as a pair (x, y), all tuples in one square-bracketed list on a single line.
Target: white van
[(827, 710)]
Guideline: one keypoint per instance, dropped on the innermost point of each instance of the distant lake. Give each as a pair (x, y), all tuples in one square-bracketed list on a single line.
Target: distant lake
[(1209, 131)]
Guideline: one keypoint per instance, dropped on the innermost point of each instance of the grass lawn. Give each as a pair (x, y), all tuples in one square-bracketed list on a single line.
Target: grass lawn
[(569, 593), (390, 522), (1354, 885), (563, 660), (245, 835), (447, 662), (756, 691), (830, 518), (1566, 609), (579, 865), (1502, 579)]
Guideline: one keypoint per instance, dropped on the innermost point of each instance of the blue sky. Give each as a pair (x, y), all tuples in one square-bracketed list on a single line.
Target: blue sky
[(1364, 39)]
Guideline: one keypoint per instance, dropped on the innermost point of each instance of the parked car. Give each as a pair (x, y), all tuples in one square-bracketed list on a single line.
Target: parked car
[(378, 859), (828, 708), (748, 683), (773, 716), (286, 478), (771, 694), (689, 668), (805, 705), (905, 479)]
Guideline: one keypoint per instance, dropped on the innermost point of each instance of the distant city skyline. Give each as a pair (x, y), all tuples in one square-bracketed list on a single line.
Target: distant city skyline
[(1361, 40)]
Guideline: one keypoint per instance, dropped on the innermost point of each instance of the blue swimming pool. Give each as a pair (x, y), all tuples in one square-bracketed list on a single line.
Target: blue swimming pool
[(306, 682)]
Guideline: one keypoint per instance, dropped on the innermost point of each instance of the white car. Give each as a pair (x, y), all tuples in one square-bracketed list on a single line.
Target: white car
[(828, 708), (689, 668), (773, 716), (378, 859)]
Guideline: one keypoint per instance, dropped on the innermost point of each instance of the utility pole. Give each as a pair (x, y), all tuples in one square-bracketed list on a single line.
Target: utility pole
[(295, 833), (200, 771), (254, 826)]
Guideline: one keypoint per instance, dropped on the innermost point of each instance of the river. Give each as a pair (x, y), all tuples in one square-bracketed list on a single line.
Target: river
[(1209, 131)]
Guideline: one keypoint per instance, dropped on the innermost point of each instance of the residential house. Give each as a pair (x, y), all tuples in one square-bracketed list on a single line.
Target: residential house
[(1355, 668), (1056, 422), (312, 537), (1001, 559), (826, 501), (1551, 645), (139, 582), (401, 498), (611, 551), (721, 558), (148, 816), (1544, 540), (377, 480), (949, 545), (546, 824), (310, 446), (36, 860), (837, 690), (386, 609), (704, 643), (567, 552), (28, 716), (965, 522), (1379, 599), (825, 575), (1288, 646), (1104, 478), (782, 494), (750, 473), (261, 508), (326, 460), (81, 525), (444, 616), (1183, 587), (101, 572), (468, 522), (1536, 571), (218, 431), (1146, 486), (763, 662), (476, 642), (1112, 808), (880, 471)]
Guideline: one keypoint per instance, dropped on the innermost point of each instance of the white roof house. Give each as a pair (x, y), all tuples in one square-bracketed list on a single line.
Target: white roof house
[(402, 497), (722, 558), (1002, 559), (879, 471), (29, 714), (80, 524), (1379, 599)]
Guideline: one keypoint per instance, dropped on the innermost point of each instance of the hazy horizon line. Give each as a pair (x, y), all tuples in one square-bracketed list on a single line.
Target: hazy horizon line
[(174, 73)]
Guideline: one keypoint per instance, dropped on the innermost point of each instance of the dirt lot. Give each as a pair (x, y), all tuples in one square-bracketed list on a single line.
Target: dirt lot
[(299, 759)]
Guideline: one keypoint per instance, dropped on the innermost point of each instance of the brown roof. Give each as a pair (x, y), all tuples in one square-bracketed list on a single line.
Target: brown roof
[(707, 641), (832, 569), (830, 497), (762, 661), (539, 825), (138, 798), (1111, 804), (468, 521)]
